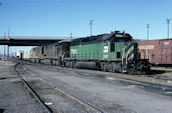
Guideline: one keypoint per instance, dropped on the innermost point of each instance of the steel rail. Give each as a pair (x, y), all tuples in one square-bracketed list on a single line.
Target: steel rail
[(140, 81), (74, 98), (32, 91), (149, 83)]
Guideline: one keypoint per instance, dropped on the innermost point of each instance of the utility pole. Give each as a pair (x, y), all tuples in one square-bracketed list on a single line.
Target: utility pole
[(4, 45), (148, 26), (8, 33), (8, 45), (70, 35), (91, 23), (8, 52), (168, 23)]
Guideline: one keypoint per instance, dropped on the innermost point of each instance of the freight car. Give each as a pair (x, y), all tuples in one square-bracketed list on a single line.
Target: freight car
[(159, 52), (116, 52)]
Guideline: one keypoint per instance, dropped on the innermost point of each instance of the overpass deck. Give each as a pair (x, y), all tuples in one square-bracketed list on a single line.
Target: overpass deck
[(30, 41)]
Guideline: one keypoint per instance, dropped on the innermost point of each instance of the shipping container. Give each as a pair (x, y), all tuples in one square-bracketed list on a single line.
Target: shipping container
[(157, 51)]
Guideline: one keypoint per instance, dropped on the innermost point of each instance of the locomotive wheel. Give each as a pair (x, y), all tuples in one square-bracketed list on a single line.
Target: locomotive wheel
[(139, 72), (132, 69), (113, 70), (74, 65), (104, 68), (139, 69), (148, 70)]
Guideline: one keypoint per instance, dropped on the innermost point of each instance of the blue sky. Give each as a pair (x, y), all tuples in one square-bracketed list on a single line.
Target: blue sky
[(62, 17)]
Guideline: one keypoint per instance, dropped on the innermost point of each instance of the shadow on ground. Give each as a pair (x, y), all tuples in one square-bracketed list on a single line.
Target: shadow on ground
[(153, 72), (1, 110)]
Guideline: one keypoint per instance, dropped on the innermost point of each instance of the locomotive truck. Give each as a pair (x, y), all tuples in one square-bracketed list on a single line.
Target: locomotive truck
[(115, 52)]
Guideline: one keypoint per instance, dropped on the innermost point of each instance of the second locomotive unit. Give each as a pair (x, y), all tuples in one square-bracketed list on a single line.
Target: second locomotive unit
[(116, 52)]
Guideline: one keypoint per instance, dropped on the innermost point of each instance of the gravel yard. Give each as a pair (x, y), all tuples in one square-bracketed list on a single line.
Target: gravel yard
[(14, 98), (105, 91), (108, 94)]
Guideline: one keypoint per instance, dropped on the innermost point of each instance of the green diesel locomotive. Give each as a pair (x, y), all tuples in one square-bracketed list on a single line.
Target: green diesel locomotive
[(116, 52)]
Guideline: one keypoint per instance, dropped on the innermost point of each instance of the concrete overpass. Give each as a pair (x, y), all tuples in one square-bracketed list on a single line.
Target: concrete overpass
[(29, 41)]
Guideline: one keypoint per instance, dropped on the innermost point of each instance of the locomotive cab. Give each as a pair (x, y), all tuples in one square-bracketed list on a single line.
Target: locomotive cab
[(64, 50), (131, 62)]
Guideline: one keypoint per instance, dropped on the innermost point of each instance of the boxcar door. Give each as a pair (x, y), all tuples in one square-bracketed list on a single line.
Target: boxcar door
[(161, 51), (167, 52)]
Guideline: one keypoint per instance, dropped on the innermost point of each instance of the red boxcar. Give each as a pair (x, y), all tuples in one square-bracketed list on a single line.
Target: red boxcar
[(157, 51)]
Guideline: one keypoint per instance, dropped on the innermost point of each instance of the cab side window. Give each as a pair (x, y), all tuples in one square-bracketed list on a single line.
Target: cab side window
[(112, 46), (106, 43), (118, 55), (42, 50)]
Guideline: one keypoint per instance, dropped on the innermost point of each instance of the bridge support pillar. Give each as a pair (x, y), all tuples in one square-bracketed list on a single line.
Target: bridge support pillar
[(8, 52)]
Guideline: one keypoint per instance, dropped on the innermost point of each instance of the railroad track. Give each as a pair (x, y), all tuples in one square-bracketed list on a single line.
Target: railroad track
[(122, 78), (169, 69), (75, 98), (33, 92), (130, 79), (59, 90), (164, 87), (145, 82)]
